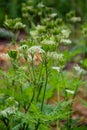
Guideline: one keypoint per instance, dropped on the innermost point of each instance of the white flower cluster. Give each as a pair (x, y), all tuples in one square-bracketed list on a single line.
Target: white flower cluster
[(19, 25), (9, 111), (34, 33), (65, 33), (32, 50), (53, 15), (41, 5), (55, 56), (75, 19), (40, 28), (79, 70)]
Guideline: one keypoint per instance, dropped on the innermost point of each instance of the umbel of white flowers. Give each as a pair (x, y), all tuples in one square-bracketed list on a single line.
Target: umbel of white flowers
[(32, 50)]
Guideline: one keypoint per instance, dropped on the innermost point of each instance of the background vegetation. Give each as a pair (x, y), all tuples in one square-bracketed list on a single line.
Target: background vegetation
[(13, 7)]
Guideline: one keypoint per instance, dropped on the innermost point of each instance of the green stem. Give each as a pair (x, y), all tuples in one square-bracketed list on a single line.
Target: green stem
[(31, 100), (40, 84), (45, 85), (39, 91)]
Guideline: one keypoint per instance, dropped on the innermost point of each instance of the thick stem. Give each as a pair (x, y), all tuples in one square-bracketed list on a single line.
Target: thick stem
[(39, 91)]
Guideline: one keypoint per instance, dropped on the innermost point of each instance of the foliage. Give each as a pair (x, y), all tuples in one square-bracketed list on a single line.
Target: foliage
[(37, 72), (13, 7)]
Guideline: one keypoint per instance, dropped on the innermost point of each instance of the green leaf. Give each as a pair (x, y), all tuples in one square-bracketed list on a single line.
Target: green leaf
[(13, 54)]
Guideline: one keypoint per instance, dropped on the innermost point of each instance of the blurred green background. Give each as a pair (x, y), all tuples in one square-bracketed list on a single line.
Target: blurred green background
[(12, 8)]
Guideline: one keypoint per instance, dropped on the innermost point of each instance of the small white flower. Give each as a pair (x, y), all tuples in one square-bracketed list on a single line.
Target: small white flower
[(66, 41), (32, 50), (79, 69), (56, 68)]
